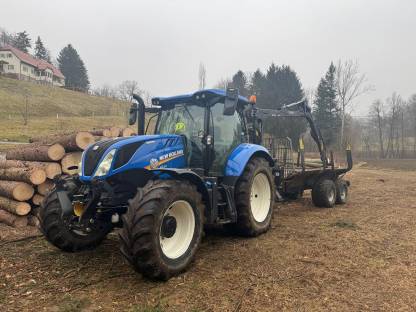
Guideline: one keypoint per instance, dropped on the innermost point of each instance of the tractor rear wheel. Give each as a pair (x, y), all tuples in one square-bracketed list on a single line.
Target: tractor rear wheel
[(324, 193), (342, 192), (254, 196), (162, 228)]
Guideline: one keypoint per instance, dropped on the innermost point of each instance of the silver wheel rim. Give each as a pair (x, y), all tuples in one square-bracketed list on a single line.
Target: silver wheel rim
[(331, 196), (260, 197), (343, 193), (177, 245)]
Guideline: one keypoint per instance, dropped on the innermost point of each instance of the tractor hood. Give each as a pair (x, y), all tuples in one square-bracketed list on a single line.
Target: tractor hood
[(109, 157)]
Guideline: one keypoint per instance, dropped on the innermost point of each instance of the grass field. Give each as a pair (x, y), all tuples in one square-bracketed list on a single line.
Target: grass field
[(356, 257), (53, 110)]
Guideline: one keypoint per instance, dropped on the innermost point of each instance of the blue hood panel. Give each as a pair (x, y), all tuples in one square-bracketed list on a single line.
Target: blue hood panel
[(156, 151)]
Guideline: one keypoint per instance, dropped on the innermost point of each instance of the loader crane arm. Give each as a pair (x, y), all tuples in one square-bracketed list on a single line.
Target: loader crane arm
[(298, 109)]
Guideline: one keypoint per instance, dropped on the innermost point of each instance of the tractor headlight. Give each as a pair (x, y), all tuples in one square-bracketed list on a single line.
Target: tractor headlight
[(105, 164)]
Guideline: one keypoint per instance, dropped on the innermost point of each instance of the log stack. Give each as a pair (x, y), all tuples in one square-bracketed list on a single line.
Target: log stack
[(26, 173)]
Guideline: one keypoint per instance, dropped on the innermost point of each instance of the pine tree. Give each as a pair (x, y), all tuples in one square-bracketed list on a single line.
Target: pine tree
[(326, 110), (239, 81), (73, 68), (279, 86), (22, 41), (40, 51)]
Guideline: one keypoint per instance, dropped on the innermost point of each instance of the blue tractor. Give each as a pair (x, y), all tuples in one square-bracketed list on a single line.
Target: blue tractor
[(208, 162)]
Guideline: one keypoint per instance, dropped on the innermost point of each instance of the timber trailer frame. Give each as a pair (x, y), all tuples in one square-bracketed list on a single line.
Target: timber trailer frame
[(208, 162)]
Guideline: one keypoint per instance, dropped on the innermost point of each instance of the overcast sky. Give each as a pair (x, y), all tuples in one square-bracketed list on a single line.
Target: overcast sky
[(161, 43)]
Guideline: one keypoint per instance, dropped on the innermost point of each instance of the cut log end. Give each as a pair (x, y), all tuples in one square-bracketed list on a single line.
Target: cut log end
[(83, 139), (37, 176), (128, 132), (37, 199), (23, 191), (45, 187), (56, 152), (115, 131)]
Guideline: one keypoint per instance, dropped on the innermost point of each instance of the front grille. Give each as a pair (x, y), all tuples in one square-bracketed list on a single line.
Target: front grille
[(94, 154)]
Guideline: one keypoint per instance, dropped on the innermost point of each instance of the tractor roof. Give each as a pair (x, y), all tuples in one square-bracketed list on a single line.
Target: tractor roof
[(208, 93)]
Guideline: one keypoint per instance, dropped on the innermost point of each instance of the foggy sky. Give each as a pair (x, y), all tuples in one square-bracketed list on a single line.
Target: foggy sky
[(161, 43)]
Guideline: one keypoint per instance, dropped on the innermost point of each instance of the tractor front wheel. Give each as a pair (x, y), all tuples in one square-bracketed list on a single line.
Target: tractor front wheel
[(58, 231), (162, 228), (254, 196)]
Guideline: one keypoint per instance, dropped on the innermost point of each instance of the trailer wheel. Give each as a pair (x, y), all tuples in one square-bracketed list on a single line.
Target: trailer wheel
[(324, 193), (342, 192), (162, 228), (59, 234), (254, 196)]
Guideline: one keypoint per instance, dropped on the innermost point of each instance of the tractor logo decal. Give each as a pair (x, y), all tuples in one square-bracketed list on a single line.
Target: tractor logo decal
[(156, 163)]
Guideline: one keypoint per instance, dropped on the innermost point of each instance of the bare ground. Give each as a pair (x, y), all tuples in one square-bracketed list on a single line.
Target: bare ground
[(357, 257)]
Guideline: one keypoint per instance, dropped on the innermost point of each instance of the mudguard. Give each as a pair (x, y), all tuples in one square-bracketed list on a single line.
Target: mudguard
[(241, 155)]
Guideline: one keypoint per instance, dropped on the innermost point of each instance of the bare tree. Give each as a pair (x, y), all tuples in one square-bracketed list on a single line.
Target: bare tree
[(350, 84), (202, 75), (412, 120), (105, 90), (377, 113), (222, 84), (127, 88)]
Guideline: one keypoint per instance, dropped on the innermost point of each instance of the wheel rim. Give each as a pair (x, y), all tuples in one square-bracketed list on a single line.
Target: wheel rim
[(177, 244), (343, 193), (331, 196), (260, 197)]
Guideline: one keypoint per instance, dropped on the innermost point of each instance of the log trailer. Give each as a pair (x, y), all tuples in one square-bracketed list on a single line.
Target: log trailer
[(207, 162)]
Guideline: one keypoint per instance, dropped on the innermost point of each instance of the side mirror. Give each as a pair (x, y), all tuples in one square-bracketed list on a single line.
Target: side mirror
[(133, 114), (230, 103)]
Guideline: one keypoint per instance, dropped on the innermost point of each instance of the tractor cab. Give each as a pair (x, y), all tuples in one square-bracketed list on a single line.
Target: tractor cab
[(211, 123)]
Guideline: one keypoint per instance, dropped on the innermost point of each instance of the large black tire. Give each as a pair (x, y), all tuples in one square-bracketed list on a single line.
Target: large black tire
[(60, 235), (324, 193), (247, 224), (342, 192), (141, 241)]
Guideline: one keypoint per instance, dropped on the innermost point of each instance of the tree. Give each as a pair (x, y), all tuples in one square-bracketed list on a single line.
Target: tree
[(222, 84), (412, 120), (202, 76), (127, 88), (280, 85), (73, 68), (239, 81), (5, 37), (377, 115), (41, 52), (326, 110), (22, 41), (350, 84)]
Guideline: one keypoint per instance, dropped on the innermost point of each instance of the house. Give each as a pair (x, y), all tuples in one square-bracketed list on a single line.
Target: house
[(23, 66)]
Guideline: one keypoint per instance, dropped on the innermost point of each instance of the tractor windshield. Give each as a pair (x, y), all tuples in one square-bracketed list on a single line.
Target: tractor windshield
[(188, 120)]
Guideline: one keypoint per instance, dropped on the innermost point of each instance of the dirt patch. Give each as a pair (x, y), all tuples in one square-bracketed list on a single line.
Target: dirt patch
[(360, 256)]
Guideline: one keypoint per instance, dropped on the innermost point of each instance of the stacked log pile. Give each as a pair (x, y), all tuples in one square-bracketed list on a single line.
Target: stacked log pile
[(27, 173)]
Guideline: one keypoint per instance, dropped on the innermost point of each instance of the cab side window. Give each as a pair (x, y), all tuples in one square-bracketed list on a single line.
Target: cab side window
[(227, 134)]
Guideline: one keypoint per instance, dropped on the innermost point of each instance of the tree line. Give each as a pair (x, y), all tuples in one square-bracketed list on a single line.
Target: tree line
[(390, 129), (331, 101), (68, 60)]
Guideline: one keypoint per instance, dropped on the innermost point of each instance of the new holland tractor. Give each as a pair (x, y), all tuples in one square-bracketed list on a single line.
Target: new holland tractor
[(208, 162)]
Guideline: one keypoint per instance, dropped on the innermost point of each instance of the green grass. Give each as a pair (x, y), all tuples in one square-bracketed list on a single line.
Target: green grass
[(53, 110), (345, 224)]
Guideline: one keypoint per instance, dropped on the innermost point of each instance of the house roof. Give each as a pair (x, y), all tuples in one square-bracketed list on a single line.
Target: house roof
[(29, 59), (187, 97)]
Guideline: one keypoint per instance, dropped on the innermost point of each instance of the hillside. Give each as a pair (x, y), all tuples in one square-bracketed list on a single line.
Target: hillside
[(46, 101), (52, 109)]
